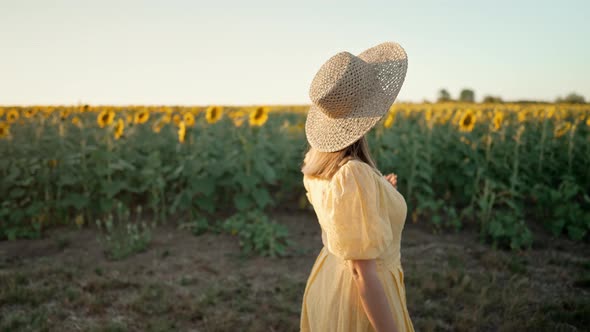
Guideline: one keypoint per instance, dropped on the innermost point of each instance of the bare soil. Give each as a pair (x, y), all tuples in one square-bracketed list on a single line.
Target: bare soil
[(183, 282)]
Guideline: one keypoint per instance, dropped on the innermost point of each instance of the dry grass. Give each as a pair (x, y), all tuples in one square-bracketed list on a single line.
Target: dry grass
[(187, 283)]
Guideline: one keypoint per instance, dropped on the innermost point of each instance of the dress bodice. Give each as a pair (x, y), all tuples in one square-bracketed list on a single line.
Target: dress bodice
[(360, 213)]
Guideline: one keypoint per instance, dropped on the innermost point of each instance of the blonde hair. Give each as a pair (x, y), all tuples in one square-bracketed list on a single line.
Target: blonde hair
[(324, 164)]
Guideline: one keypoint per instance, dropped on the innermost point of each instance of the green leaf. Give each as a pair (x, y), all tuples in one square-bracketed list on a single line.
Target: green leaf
[(113, 188), (206, 185), (17, 193), (13, 173), (262, 197), (121, 164), (248, 183), (264, 169), (78, 201), (68, 179), (206, 203), (242, 201)]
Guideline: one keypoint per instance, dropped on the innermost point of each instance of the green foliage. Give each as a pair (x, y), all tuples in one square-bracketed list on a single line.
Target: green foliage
[(55, 172), (501, 218), (487, 176), (257, 234), (121, 237), (564, 209), (508, 229), (53, 175), (197, 226)]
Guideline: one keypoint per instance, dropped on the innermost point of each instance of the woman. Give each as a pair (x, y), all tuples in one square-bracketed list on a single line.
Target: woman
[(357, 281)]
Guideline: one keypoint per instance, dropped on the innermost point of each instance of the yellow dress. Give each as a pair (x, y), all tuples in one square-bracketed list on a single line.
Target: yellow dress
[(362, 217)]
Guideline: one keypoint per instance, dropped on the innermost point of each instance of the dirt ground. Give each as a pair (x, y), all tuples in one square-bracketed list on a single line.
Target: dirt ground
[(184, 282)]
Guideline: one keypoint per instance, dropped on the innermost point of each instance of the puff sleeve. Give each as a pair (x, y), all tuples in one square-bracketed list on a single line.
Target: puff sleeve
[(357, 223)]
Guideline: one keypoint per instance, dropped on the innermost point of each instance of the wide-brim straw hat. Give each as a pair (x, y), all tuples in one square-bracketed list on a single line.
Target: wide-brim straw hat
[(350, 94)]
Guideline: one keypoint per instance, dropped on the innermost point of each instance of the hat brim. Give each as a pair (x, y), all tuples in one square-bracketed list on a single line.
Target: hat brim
[(326, 134)]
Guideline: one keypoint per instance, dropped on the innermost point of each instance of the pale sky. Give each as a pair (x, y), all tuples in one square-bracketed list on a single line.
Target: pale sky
[(267, 52)]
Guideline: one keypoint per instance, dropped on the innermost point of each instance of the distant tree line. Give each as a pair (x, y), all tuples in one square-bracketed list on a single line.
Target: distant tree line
[(468, 96), (573, 98)]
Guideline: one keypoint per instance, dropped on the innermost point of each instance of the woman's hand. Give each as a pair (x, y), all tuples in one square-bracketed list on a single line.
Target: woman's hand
[(392, 178)]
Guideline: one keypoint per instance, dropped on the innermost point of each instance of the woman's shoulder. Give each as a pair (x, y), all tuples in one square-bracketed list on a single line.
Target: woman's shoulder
[(357, 167), (351, 168), (354, 173)]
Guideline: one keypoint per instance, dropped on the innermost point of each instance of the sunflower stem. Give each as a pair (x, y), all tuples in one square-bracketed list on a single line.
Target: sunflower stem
[(570, 149), (542, 147)]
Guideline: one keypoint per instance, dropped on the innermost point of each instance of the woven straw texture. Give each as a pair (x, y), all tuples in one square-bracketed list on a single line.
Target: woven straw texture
[(350, 94)]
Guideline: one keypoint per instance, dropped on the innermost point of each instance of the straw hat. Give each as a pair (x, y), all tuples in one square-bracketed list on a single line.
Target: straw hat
[(350, 94)]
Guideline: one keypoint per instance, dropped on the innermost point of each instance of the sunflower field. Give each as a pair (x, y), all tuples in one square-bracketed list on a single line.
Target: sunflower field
[(503, 170)]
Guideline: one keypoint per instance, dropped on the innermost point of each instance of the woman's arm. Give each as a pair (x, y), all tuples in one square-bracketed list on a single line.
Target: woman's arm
[(373, 295)]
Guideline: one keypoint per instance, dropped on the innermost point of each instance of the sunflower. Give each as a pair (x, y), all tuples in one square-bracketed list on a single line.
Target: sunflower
[(450, 113), (238, 121), (588, 122), (194, 110), (407, 112), (30, 112), (63, 115), (472, 145), (214, 114), (119, 128), (550, 112), (166, 118), (79, 220), (46, 112), (189, 119), (467, 121), (4, 129), (465, 140), (105, 118), (157, 126), (289, 127), (456, 116), (562, 129), (428, 114), (176, 119), (12, 116), (259, 116), (181, 131), (498, 120), (389, 120), (522, 116), (1, 112), (142, 117), (444, 116), (237, 116), (286, 124), (77, 122)]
